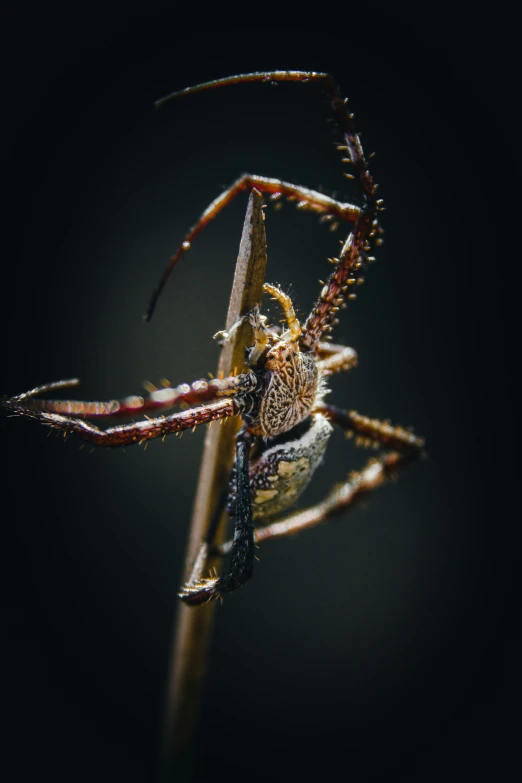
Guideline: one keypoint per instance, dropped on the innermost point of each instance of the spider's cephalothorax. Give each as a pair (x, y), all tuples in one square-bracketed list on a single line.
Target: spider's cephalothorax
[(291, 387), (286, 424), (289, 377)]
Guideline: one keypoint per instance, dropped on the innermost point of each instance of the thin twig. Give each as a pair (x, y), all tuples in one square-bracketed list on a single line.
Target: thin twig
[(194, 624)]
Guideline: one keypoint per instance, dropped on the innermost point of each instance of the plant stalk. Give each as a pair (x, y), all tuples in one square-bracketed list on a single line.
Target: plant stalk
[(194, 624)]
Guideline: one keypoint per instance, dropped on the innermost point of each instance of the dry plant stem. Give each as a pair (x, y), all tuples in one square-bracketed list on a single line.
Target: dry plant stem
[(194, 624)]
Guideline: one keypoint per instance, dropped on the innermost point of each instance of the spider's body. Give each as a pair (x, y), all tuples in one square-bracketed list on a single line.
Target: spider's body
[(286, 423), (290, 439)]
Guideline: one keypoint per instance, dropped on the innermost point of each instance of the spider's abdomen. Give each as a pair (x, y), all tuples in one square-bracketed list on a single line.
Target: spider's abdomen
[(281, 472)]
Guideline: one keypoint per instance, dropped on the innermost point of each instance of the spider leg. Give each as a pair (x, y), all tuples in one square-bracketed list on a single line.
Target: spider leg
[(199, 392), (357, 244), (198, 590), (138, 432), (202, 556), (406, 447), (375, 473), (372, 432), (335, 358), (46, 387), (305, 198)]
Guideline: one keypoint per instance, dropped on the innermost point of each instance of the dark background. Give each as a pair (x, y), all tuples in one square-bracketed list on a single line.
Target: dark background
[(384, 645)]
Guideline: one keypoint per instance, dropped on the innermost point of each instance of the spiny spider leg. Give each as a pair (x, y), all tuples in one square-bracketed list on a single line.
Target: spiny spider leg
[(375, 473), (371, 432), (310, 200), (242, 545), (138, 432), (335, 358), (356, 246), (201, 559), (46, 387), (407, 448), (198, 392)]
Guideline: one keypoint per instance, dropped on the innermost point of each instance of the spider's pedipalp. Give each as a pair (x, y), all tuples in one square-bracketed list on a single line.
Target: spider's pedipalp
[(294, 327), (261, 336)]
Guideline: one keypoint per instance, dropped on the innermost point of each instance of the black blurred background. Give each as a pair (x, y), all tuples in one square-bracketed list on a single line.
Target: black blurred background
[(384, 645)]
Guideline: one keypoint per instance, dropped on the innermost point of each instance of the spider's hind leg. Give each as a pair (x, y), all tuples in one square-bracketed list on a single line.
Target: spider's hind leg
[(199, 590), (403, 448)]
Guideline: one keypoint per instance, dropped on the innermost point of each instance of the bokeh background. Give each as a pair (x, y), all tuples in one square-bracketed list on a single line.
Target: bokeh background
[(383, 645)]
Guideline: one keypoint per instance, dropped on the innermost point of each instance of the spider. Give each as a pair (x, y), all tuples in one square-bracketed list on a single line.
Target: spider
[(286, 424)]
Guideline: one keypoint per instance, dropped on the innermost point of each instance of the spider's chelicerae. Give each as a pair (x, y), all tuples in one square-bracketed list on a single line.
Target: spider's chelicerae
[(286, 423)]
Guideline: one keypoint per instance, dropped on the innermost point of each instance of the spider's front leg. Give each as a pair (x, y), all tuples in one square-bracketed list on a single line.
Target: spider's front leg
[(137, 432), (201, 391), (199, 590), (217, 397)]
